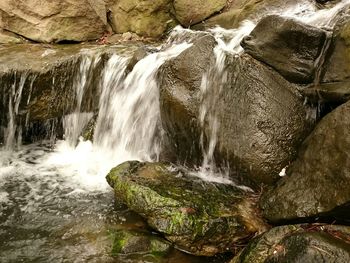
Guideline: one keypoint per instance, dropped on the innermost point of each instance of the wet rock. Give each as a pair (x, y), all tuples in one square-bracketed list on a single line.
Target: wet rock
[(299, 243), (290, 47), (318, 182), (145, 18), (332, 92), (180, 98), (199, 217), (261, 115), (43, 82), (189, 12), (54, 21), (337, 66), (137, 242)]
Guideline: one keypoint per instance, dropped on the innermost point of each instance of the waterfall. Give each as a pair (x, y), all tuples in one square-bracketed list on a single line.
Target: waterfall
[(215, 78)]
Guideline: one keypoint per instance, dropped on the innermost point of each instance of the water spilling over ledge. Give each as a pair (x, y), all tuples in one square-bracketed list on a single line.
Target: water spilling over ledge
[(228, 114)]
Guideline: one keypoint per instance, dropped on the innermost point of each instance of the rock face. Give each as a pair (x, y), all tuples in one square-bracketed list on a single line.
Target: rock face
[(290, 47), (54, 21), (317, 183), (199, 217), (262, 118), (146, 18), (189, 12), (299, 243), (9, 38)]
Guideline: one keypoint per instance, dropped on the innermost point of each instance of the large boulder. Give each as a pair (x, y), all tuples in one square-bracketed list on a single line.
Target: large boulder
[(54, 21), (318, 182), (261, 115), (189, 12), (199, 217), (292, 48), (299, 243), (145, 18)]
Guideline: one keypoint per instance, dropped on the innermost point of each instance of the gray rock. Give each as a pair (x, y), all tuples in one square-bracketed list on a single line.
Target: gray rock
[(261, 115), (299, 243), (318, 182), (290, 47)]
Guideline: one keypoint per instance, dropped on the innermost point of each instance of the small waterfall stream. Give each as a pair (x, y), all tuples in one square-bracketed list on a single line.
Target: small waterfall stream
[(45, 192)]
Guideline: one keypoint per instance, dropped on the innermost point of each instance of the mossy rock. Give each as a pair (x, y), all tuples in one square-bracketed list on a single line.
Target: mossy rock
[(136, 242), (299, 243), (199, 217)]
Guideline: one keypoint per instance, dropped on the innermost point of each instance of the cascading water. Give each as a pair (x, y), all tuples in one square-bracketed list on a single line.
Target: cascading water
[(48, 195), (216, 77)]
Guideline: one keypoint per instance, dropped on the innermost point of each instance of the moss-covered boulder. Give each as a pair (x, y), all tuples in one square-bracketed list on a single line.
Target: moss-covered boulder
[(54, 21), (292, 48), (199, 217), (136, 242), (299, 243), (189, 12), (317, 184), (145, 18)]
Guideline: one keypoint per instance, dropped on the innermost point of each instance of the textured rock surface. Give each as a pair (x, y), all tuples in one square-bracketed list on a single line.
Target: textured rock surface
[(145, 18), (318, 182), (189, 12), (54, 21), (290, 47), (199, 217), (299, 243), (261, 115), (9, 38)]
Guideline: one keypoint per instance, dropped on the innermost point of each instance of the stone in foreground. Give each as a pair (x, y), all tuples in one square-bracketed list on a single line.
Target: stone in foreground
[(299, 243), (318, 182), (199, 217)]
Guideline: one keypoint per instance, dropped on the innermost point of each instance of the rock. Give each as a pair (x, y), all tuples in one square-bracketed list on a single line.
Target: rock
[(9, 38), (47, 78), (54, 21), (189, 12), (299, 243), (337, 66), (199, 217), (317, 183), (145, 18), (137, 242), (261, 115), (240, 10), (180, 98), (332, 92), (290, 47)]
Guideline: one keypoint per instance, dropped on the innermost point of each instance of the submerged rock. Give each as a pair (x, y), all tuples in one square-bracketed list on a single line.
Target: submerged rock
[(199, 217), (136, 242), (145, 18), (292, 48), (54, 21), (318, 182), (189, 12), (299, 243), (261, 116)]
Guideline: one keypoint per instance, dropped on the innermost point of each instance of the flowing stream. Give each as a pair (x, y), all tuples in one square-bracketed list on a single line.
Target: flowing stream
[(55, 204)]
